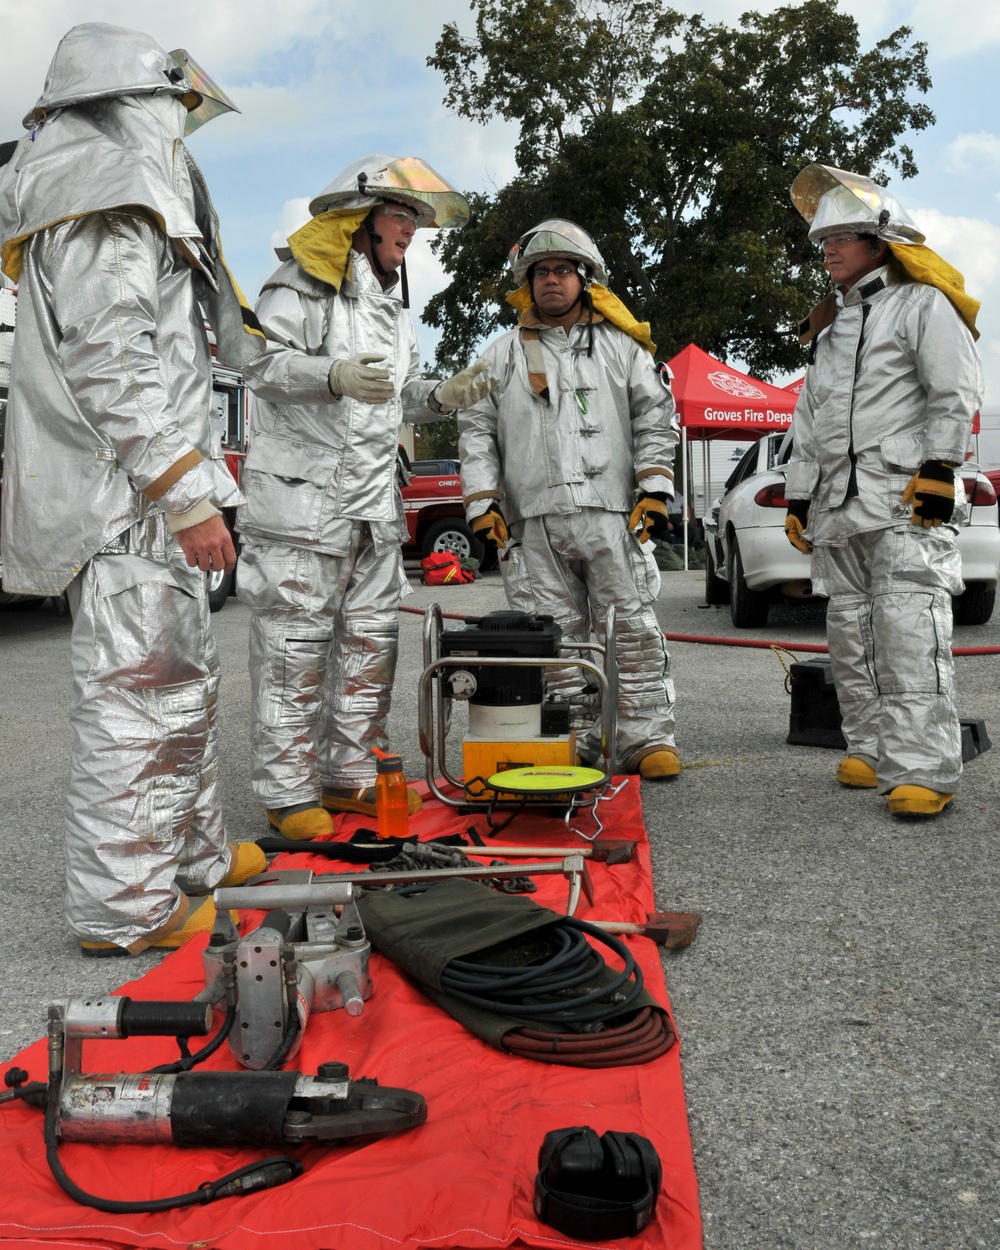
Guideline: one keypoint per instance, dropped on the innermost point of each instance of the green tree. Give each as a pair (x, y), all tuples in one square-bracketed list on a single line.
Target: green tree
[(674, 141)]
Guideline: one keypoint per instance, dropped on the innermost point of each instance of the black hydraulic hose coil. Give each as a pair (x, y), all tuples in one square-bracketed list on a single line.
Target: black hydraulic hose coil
[(557, 989)]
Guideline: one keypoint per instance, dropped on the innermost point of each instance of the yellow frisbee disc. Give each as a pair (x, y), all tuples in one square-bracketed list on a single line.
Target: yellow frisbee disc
[(546, 779)]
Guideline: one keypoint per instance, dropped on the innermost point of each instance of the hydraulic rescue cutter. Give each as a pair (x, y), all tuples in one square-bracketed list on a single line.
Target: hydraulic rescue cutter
[(206, 1108)]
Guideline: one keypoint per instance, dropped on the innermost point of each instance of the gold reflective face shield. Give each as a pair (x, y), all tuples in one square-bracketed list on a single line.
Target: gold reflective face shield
[(206, 99)]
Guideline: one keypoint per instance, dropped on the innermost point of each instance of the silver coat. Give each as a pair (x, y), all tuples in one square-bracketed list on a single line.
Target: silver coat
[(610, 422), (110, 382), (110, 393), (894, 381), (566, 476), (323, 520), (318, 460)]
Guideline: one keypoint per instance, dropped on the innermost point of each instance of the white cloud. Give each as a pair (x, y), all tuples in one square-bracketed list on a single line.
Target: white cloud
[(973, 247), (952, 29), (979, 152), (970, 244), (294, 213)]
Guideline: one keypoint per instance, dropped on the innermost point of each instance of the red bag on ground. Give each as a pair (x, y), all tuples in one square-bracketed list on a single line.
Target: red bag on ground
[(442, 568)]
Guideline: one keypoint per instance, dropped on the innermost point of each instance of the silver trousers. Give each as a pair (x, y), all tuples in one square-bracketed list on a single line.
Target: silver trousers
[(143, 812), (889, 627), (324, 634), (571, 567)]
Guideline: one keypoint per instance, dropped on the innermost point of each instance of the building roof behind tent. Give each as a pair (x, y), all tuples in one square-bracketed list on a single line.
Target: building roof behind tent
[(714, 400)]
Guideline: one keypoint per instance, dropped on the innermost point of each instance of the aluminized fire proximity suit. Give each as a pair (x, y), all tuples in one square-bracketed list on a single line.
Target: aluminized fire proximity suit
[(566, 474), (109, 448), (321, 566), (894, 382)]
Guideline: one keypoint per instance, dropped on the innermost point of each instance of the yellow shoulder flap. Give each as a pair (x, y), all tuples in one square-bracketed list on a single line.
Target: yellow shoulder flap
[(322, 244), (609, 306), (924, 265)]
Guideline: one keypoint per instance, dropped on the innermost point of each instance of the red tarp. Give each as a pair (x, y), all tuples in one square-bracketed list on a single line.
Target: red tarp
[(713, 398), (462, 1181)]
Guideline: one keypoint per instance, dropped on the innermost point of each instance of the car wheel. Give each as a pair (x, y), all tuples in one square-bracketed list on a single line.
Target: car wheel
[(975, 605), (747, 607), (220, 587), (20, 603), (454, 535), (716, 590)]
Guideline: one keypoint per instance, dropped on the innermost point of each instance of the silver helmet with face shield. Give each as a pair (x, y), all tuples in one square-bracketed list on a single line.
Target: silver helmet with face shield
[(557, 239), (834, 201), (97, 61), (381, 179)]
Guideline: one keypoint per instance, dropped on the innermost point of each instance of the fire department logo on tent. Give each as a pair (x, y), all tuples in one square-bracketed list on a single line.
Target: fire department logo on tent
[(733, 385)]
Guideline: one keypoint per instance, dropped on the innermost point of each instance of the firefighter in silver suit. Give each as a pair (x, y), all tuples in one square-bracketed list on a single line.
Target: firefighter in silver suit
[(113, 480), (569, 466), (883, 421), (321, 567)]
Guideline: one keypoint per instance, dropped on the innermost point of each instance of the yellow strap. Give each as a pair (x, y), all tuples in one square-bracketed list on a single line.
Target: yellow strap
[(779, 652)]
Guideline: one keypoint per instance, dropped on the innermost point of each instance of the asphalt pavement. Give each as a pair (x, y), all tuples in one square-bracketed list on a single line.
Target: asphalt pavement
[(838, 1010)]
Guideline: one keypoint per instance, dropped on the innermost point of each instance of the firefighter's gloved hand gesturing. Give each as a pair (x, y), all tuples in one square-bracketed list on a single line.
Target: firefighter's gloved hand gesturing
[(466, 388), (357, 379), (796, 521), (491, 528), (651, 513), (931, 491)]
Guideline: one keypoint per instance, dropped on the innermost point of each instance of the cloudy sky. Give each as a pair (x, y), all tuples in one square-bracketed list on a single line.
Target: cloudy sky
[(322, 82)]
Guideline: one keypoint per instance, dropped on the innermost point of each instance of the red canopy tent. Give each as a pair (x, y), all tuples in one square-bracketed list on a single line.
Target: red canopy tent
[(714, 400)]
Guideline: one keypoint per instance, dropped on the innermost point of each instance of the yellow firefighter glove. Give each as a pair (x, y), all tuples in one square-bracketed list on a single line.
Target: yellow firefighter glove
[(651, 513), (491, 528), (796, 521), (931, 491)]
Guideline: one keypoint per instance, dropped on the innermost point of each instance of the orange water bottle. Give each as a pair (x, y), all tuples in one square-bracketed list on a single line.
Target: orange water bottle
[(390, 798)]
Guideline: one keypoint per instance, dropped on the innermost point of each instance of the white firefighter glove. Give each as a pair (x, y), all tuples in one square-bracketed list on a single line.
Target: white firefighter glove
[(358, 380), (466, 388)]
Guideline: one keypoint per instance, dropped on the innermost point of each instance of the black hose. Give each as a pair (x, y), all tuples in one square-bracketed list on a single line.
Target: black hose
[(545, 991), (285, 1045)]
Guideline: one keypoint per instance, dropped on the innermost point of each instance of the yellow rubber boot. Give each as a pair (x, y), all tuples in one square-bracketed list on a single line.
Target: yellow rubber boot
[(363, 801), (857, 774), (917, 801), (301, 824), (660, 764), (246, 860)]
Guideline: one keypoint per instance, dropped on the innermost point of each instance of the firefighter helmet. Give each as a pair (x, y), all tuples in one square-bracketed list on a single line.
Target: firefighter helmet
[(834, 200), (557, 239), (97, 61), (408, 180)]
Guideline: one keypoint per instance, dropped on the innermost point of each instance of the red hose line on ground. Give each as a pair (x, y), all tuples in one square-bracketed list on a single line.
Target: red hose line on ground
[(711, 640)]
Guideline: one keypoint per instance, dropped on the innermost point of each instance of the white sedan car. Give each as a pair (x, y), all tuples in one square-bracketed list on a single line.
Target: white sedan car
[(749, 563)]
